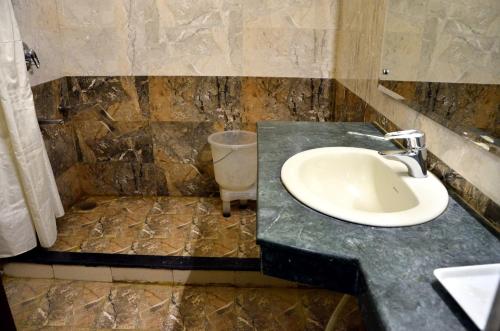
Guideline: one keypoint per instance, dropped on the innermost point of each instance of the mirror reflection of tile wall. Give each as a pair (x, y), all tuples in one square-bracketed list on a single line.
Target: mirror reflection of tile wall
[(443, 59)]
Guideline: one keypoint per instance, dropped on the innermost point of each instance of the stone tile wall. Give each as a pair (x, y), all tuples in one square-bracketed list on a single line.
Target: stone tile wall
[(148, 135), (278, 38)]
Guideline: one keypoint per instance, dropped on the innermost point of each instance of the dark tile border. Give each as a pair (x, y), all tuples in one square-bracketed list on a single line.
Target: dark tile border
[(42, 256)]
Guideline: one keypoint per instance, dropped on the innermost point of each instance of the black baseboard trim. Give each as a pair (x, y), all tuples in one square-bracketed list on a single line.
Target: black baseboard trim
[(42, 256)]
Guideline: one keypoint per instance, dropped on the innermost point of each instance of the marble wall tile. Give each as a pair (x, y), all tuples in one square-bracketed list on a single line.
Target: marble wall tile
[(186, 38), (94, 37), (180, 38), (348, 106), (309, 14), (195, 99), (281, 52), (118, 178), (60, 147), (39, 28), (286, 99), (69, 186), (101, 141), (107, 98), (47, 98), (182, 155)]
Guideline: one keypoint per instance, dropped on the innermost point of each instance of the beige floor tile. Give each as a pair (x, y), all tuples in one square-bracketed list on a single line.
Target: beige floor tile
[(29, 270), (182, 226), (76, 272), (142, 275)]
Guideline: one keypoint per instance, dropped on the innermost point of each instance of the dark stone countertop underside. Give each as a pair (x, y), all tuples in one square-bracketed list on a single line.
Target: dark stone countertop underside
[(396, 264)]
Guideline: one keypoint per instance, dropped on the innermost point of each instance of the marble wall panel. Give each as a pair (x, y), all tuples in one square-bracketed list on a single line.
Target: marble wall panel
[(68, 185), (60, 146), (186, 37), (39, 28), (107, 99), (118, 178), (308, 14), (180, 38), (195, 99), (286, 99), (284, 52), (48, 97), (114, 141)]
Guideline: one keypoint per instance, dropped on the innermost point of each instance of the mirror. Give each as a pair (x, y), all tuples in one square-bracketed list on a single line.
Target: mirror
[(442, 58)]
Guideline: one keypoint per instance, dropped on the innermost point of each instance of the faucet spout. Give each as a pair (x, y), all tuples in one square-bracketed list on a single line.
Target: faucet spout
[(413, 160), (415, 155)]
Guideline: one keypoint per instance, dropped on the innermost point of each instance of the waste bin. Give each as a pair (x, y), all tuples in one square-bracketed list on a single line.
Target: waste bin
[(234, 154)]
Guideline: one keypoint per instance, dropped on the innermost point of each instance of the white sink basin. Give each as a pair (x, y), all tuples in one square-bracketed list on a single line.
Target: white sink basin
[(360, 186)]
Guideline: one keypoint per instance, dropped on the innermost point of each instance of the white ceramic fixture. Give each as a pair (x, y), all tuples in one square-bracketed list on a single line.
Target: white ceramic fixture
[(360, 186), (473, 288)]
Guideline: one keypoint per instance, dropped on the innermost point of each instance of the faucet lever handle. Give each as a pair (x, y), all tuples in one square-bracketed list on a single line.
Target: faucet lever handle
[(414, 138)]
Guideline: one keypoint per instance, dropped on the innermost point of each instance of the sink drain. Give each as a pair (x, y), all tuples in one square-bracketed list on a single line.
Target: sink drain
[(86, 205)]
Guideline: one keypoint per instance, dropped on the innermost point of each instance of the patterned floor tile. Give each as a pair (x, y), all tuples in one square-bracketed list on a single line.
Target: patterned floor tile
[(39, 304), (178, 226)]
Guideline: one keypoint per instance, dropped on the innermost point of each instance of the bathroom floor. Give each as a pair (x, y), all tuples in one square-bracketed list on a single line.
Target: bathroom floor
[(177, 226), (49, 304)]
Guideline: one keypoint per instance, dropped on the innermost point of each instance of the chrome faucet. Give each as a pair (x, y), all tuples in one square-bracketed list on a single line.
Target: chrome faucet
[(414, 156)]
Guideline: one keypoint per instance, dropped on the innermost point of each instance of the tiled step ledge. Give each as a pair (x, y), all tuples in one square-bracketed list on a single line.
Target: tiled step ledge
[(146, 275)]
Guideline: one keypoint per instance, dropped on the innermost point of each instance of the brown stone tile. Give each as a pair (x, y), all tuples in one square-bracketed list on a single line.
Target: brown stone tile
[(71, 243), (20, 291), (195, 99), (286, 99), (154, 307), (61, 298), (118, 178), (60, 146), (187, 309), (89, 304), (187, 179), (167, 226), (106, 98), (176, 205), (214, 235), (220, 309), (45, 304), (173, 141), (159, 246), (318, 306), (68, 185), (121, 310), (104, 141), (208, 206), (47, 98), (269, 309), (348, 106)]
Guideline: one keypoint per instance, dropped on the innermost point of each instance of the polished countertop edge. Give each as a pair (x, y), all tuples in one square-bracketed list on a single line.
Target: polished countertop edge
[(459, 225)]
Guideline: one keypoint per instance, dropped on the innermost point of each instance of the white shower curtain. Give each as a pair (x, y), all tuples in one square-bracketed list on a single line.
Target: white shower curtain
[(29, 200)]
